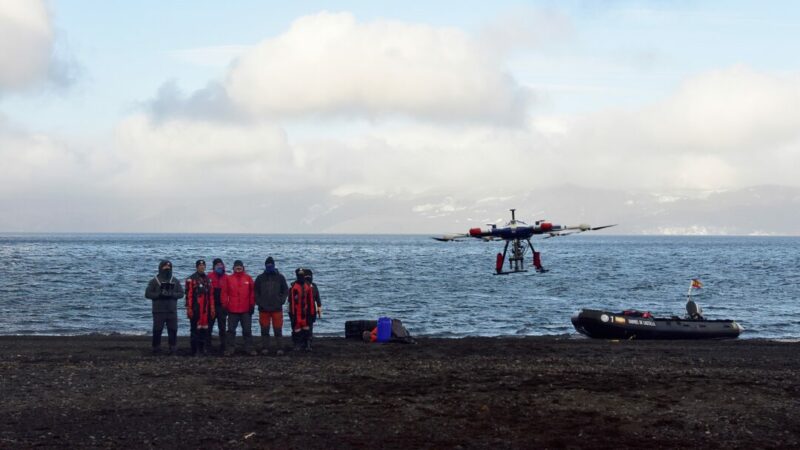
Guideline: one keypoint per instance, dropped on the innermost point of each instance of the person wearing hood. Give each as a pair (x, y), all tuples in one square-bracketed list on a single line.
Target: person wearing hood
[(271, 291), (302, 310), (200, 308), (219, 285), (164, 290), (240, 305)]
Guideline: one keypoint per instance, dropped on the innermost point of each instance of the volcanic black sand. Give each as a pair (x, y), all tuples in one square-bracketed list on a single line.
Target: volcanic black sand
[(98, 391)]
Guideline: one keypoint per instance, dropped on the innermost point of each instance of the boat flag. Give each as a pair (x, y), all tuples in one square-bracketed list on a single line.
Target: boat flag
[(696, 284)]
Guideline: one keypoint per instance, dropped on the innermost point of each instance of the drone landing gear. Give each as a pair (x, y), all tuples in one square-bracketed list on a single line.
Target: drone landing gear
[(516, 262)]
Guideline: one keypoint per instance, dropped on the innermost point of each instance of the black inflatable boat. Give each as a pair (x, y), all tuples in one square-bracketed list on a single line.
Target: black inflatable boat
[(632, 324)]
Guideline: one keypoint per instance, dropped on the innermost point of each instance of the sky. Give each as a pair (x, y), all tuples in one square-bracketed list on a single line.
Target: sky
[(385, 117)]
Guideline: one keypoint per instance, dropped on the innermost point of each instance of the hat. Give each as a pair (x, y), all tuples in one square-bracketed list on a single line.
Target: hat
[(163, 263), (269, 260), (238, 262), (217, 261), (200, 261)]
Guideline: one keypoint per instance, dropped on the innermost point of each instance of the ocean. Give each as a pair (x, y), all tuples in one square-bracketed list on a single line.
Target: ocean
[(72, 284)]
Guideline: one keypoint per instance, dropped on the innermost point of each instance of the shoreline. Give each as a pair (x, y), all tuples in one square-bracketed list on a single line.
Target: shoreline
[(520, 392), (577, 336)]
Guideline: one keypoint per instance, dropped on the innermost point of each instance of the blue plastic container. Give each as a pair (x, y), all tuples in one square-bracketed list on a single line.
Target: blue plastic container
[(384, 329)]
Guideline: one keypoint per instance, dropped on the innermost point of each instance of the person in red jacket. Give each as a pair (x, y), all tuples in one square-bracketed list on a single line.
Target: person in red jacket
[(302, 310), (219, 284), (240, 305), (200, 308)]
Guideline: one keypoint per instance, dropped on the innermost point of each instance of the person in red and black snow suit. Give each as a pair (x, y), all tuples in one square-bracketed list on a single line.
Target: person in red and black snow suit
[(317, 301), (200, 308), (302, 310), (219, 284), (240, 305), (271, 291), (164, 290)]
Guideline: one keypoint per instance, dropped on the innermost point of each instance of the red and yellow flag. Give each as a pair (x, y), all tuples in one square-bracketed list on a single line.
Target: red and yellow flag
[(696, 284)]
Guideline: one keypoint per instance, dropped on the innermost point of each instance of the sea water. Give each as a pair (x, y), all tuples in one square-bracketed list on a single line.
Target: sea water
[(65, 284)]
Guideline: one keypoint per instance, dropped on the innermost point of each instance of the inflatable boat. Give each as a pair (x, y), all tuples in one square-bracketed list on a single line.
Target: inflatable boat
[(641, 325)]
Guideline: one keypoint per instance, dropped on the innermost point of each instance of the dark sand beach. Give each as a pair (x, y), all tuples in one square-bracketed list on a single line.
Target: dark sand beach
[(534, 392)]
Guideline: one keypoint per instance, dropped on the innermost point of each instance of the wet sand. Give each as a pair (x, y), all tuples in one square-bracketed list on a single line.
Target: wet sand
[(535, 392)]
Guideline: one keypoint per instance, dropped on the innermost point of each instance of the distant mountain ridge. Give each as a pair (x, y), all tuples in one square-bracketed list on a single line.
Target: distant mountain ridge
[(758, 210)]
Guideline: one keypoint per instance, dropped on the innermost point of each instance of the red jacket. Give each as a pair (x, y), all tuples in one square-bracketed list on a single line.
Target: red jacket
[(220, 282), (302, 309), (241, 297)]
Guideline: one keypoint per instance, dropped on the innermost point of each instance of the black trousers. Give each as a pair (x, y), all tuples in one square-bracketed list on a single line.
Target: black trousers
[(170, 319), (246, 320), (222, 322), (200, 337)]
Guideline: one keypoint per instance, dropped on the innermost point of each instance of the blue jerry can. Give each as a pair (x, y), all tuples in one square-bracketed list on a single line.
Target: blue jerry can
[(384, 329)]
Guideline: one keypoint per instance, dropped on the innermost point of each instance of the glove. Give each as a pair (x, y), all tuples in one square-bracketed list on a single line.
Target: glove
[(189, 313), (252, 310)]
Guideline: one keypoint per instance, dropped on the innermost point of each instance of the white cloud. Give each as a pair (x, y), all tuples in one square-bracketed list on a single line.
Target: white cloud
[(441, 147), (26, 41), (722, 129), (185, 156), (331, 64), (39, 168), (729, 110)]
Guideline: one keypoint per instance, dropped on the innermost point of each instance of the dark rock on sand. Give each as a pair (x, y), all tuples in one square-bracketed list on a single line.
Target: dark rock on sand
[(109, 391)]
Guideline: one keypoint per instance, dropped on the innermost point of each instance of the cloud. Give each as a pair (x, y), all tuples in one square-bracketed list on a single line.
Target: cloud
[(210, 103), (179, 160), (332, 65), (726, 128), (286, 141), (36, 164), (26, 41), (525, 28), (180, 157)]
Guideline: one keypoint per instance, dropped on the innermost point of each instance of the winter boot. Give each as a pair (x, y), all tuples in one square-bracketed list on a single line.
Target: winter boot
[(279, 344), (264, 343)]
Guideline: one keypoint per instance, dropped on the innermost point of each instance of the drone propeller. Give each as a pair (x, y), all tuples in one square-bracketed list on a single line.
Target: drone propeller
[(451, 237), (600, 228), (579, 229)]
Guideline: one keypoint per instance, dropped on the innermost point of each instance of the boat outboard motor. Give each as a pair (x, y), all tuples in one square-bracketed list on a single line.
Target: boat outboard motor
[(693, 310)]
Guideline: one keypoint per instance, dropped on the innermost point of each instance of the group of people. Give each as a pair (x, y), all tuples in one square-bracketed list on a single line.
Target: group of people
[(229, 300)]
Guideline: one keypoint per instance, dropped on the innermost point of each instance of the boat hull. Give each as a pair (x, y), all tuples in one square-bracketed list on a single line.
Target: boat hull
[(607, 325)]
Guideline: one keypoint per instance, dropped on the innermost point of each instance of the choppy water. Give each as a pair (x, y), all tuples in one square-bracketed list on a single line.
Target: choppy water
[(78, 284)]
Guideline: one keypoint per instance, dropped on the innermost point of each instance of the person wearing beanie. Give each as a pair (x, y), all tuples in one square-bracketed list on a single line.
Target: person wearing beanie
[(219, 286), (302, 310), (271, 292), (164, 290), (240, 304), (200, 308)]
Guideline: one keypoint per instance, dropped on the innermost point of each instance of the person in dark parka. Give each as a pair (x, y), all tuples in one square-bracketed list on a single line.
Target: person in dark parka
[(271, 292), (164, 290)]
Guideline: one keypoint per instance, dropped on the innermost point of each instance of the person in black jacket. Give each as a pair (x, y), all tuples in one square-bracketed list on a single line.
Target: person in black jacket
[(271, 292), (164, 290)]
